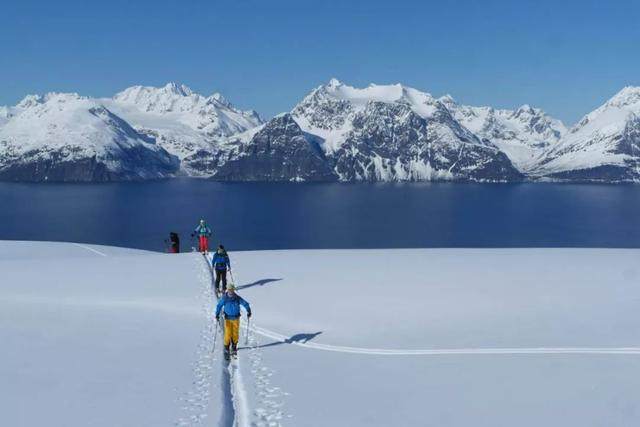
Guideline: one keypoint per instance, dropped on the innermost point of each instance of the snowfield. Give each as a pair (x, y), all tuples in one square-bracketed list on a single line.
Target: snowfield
[(446, 337)]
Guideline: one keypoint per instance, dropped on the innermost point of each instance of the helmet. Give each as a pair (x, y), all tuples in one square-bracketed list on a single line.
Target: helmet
[(231, 287)]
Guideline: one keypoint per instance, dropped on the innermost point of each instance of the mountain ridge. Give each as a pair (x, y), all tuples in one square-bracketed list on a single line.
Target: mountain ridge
[(376, 133)]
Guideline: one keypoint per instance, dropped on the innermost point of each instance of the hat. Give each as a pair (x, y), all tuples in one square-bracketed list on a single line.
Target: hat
[(231, 287)]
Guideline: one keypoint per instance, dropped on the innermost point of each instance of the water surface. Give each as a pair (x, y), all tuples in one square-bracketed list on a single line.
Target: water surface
[(286, 215)]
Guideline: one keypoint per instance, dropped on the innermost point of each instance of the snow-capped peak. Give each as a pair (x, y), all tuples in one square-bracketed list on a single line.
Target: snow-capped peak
[(30, 101), (613, 114), (160, 100), (422, 103), (217, 97), (628, 96), (178, 89), (334, 83), (526, 109), (447, 100)]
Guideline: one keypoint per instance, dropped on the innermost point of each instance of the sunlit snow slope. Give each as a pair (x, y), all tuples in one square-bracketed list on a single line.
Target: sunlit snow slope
[(445, 337), (449, 337), (99, 336)]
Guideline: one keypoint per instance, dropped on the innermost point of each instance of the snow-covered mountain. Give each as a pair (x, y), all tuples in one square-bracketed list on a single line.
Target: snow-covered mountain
[(396, 133), (603, 146), (522, 134), (186, 124), (67, 137), (336, 133)]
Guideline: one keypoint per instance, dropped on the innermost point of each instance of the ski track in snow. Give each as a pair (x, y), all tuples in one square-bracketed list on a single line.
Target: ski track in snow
[(89, 248), (195, 401), (269, 404), (451, 351), (235, 404), (269, 411)]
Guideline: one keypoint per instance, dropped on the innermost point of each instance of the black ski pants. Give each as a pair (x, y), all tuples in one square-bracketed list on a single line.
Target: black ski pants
[(221, 275)]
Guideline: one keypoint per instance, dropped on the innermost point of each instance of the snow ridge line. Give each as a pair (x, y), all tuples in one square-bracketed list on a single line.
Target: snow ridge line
[(452, 351)]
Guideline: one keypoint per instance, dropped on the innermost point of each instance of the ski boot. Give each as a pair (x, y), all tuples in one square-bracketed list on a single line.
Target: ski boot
[(234, 350), (227, 353)]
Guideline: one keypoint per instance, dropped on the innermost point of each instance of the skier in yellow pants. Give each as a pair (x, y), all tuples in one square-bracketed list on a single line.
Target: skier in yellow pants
[(231, 303)]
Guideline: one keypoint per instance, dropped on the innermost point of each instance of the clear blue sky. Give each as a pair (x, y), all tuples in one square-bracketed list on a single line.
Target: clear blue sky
[(564, 56)]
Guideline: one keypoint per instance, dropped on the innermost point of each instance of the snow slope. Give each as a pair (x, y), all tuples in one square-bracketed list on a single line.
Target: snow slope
[(453, 337), (603, 146), (477, 337), (523, 134), (186, 124), (68, 137), (105, 337), (62, 136)]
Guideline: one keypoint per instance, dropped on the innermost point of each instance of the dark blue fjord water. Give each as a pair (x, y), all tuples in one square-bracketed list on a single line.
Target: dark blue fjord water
[(279, 216)]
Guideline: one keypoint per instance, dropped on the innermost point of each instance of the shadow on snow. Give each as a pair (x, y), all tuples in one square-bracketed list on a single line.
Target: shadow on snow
[(297, 338), (260, 282)]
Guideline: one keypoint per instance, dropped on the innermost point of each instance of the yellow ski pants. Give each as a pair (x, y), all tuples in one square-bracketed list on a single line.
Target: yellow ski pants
[(231, 331)]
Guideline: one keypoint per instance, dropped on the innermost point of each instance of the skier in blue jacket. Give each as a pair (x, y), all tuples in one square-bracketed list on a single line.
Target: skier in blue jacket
[(230, 302), (221, 264)]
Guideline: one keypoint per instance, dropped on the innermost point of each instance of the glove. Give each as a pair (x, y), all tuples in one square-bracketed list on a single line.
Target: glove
[(218, 318), (192, 235), (248, 314)]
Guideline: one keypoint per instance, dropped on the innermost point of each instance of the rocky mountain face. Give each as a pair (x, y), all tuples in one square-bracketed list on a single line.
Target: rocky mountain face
[(395, 133), (336, 133), (279, 151), (66, 137), (381, 133)]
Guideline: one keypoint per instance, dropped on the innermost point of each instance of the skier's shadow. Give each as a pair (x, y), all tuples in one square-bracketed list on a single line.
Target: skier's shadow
[(297, 338), (260, 282)]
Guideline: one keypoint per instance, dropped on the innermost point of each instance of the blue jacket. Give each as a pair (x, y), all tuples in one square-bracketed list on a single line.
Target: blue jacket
[(232, 306), (202, 230), (221, 261)]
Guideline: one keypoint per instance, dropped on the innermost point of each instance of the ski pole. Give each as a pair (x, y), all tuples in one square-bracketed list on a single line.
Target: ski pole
[(215, 338), (246, 336)]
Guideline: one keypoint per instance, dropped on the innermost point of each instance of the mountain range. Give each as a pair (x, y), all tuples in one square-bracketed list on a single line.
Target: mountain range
[(335, 133)]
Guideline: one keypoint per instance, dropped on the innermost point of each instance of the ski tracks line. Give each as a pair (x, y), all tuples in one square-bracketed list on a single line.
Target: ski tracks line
[(450, 351), (236, 404), (268, 406), (196, 401), (269, 411), (89, 248)]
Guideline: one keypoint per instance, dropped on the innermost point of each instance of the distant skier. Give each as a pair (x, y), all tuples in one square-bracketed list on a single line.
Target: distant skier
[(203, 232), (174, 243), (221, 264), (231, 303)]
